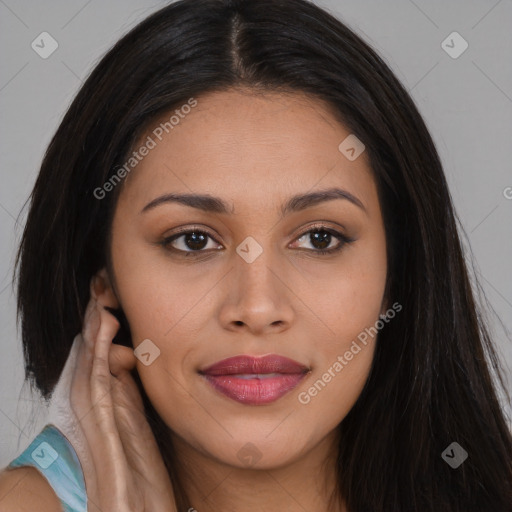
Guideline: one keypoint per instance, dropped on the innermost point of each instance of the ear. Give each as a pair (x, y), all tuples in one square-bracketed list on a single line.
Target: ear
[(102, 291)]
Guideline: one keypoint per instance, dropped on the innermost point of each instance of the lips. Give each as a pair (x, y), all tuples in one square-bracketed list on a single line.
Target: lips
[(255, 380), (255, 365)]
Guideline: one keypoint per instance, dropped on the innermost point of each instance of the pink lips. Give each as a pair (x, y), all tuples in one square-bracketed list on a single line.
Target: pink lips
[(255, 380)]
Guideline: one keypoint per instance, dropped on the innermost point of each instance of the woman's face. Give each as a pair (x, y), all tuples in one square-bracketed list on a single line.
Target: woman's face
[(251, 281)]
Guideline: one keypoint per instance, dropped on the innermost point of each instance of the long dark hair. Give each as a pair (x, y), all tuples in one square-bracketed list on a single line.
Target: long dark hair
[(430, 383)]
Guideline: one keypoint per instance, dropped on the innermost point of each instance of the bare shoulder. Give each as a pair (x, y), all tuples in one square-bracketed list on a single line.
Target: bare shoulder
[(26, 489)]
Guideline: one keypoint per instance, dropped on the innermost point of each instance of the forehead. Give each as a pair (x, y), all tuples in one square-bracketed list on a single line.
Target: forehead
[(239, 143)]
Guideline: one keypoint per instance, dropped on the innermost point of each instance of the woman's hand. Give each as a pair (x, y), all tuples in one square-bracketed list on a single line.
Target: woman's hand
[(129, 473)]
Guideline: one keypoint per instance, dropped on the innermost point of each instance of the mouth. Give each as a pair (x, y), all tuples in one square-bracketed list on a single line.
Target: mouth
[(255, 380)]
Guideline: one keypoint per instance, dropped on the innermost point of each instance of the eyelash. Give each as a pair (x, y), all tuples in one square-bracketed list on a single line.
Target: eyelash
[(343, 239)]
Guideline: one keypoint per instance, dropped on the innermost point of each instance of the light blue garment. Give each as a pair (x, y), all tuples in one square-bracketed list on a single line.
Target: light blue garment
[(54, 456)]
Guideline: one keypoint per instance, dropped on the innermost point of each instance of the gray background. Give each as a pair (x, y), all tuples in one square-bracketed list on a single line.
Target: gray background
[(466, 102)]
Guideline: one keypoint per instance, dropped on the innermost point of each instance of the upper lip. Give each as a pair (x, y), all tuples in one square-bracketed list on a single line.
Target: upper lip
[(245, 364)]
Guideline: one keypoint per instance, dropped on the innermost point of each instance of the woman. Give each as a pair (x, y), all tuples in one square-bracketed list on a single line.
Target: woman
[(325, 352)]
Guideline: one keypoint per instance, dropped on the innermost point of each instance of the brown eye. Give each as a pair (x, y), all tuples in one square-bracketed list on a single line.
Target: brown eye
[(189, 241), (323, 240), (194, 241)]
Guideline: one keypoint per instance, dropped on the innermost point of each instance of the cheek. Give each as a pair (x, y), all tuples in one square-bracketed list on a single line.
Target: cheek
[(349, 307), (344, 352), (348, 301), (158, 299), (168, 394), (329, 395)]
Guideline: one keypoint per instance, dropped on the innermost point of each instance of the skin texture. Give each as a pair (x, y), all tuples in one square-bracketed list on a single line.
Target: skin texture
[(25, 489), (254, 151), (125, 472)]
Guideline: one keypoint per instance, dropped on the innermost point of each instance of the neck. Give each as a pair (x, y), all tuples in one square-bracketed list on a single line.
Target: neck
[(307, 483)]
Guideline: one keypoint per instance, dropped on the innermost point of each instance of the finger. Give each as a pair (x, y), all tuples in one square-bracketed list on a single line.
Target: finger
[(121, 359), (91, 326), (100, 374), (80, 402), (108, 449), (123, 440), (140, 446), (80, 395), (107, 479)]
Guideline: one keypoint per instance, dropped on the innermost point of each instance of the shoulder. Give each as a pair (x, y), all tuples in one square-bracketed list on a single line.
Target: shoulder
[(26, 489)]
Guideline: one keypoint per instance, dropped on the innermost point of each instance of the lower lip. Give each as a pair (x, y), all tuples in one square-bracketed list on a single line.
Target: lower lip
[(255, 391)]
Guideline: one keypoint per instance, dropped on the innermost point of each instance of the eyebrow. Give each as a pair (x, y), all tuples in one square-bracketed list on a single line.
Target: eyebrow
[(297, 203)]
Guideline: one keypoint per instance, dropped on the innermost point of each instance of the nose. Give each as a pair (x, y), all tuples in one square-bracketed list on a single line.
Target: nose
[(259, 300)]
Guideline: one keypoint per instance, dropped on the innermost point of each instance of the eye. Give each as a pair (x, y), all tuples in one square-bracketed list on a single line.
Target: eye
[(190, 241), (321, 238)]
